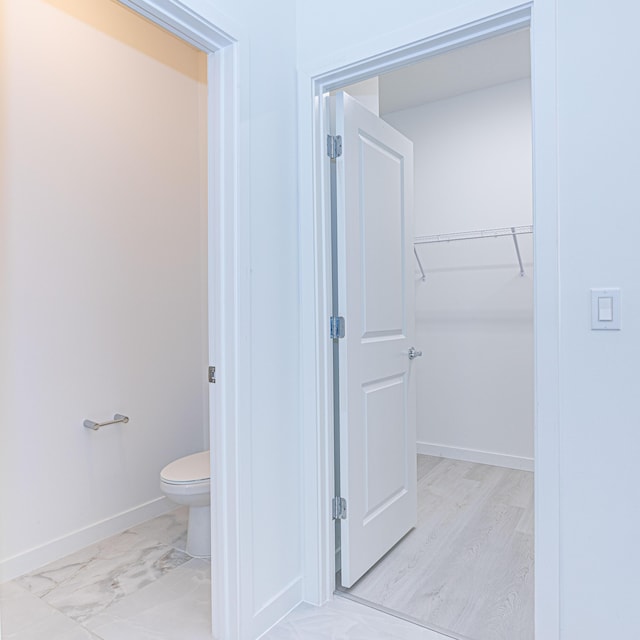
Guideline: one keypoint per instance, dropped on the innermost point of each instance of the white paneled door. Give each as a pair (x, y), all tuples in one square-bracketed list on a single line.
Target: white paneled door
[(375, 280)]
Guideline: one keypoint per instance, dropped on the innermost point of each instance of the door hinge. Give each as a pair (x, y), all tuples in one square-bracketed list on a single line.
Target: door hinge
[(336, 327), (334, 146), (212, 375), (339, 508)]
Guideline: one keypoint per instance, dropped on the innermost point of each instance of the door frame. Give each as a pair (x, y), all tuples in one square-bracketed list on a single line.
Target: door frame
[(316, 387), (219, 39)]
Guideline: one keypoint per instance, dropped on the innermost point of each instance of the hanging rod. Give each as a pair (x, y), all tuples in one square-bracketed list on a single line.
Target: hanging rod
[(90, 424), (475, 235)]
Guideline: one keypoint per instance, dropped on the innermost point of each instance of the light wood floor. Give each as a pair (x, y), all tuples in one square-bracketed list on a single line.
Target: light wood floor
[(468, 565)]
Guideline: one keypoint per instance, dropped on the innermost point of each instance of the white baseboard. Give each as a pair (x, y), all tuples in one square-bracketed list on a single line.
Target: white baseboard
[(475, 455), (32, 559), (277, 608)]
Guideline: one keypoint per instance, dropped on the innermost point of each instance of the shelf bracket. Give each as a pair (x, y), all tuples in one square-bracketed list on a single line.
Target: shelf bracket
[(415, 251), (515, 243)]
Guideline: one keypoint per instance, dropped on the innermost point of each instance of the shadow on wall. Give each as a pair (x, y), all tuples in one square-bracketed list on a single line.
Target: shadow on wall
[(106, 17)]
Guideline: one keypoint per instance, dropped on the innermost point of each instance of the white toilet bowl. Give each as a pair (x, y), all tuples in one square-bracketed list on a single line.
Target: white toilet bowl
[(188, 481)]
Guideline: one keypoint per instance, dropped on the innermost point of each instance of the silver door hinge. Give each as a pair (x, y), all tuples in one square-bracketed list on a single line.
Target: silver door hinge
[(334, 146), (212, 375), (339, 508), (336, 327)]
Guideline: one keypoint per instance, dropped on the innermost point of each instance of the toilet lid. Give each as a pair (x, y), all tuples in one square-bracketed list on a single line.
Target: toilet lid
[(191, 468)]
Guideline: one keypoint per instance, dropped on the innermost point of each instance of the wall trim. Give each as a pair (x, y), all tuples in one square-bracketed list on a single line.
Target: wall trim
[(279, 606), (476, 455), (183, 22), (41, 555)]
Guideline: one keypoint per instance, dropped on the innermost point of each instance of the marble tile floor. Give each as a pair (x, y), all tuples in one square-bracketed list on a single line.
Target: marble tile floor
[(156, 615), (139, 585), (343, 619), (142, 585)]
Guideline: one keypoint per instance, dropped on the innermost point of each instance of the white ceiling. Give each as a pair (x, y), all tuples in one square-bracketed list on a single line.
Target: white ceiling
[(484, 64)]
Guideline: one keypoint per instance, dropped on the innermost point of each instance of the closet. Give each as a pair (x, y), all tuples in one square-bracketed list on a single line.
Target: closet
[(468, 114), (474, 309)]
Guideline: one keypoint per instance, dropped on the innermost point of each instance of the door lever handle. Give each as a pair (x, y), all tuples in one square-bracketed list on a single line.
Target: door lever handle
[(413, 354)]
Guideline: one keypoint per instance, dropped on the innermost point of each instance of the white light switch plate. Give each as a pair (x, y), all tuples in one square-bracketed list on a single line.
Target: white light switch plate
[(605, 309)]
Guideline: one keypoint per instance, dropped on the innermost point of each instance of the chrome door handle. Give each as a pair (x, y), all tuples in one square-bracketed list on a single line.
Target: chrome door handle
[(413, 354)]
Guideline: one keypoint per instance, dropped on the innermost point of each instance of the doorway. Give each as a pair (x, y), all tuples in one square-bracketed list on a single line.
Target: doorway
[(225, 264), (470, 121), (220, 209), (382, 56)]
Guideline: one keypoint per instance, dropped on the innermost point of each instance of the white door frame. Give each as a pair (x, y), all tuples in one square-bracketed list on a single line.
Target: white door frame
[(315, 263), (226, 289)]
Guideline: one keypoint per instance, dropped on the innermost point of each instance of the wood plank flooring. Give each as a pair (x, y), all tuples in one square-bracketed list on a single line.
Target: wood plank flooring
[(468, 565)]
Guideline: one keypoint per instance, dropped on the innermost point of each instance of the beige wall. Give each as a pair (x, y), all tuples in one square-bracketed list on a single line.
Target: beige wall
[(103, 245)]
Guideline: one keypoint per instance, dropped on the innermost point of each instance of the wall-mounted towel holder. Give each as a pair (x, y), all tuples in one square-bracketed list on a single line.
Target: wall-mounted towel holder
[(90, 424)]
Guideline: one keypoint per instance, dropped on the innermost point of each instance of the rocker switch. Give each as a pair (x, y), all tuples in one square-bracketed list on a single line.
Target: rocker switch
[(605, 309)]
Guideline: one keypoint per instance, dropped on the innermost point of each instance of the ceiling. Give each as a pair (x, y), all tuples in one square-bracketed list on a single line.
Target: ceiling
[(483, 64)]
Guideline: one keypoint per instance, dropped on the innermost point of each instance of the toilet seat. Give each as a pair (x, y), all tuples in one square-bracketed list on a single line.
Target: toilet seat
[(194, 470), (186, 481)]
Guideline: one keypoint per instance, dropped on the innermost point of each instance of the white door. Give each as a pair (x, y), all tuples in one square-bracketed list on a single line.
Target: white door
[(375, 279)]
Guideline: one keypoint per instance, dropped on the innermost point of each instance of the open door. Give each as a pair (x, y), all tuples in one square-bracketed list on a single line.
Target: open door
[(375, 281)]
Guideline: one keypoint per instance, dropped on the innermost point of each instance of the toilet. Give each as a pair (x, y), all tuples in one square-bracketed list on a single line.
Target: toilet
[(187, 481)]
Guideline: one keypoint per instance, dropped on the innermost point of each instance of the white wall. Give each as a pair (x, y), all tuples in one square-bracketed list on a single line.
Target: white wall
[(367, 93), (474, 313), (599, 226), (268, 426), (104, 248), (351, 26)]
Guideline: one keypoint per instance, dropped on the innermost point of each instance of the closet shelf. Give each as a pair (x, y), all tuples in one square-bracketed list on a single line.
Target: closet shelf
[(514, 232)]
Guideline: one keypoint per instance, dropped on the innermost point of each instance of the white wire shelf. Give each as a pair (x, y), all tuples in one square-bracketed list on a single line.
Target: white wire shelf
[(474, 235), (513, 232)]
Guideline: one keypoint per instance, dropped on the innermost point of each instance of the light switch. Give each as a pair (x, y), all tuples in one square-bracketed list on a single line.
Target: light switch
[(605, 309)]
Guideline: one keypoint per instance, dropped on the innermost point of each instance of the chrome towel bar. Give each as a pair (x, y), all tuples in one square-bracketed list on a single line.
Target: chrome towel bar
[(90, 424)]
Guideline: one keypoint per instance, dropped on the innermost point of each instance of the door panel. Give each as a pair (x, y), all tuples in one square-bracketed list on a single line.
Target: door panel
[(385, 469), (380, 178), (374, 200)]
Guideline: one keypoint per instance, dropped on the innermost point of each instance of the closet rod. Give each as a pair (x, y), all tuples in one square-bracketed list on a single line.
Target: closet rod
[(474, 235)]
